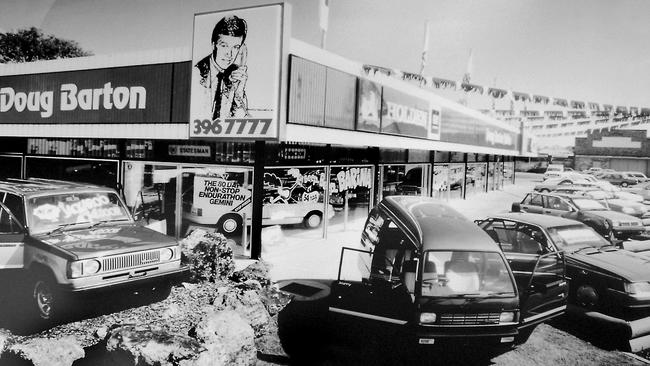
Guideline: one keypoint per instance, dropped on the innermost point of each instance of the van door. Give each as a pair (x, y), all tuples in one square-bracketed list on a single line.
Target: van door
[(12, 246), (539, 269), (376, 294)]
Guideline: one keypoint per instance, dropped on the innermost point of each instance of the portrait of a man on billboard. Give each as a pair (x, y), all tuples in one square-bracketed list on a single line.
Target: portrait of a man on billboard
[(223, 72), (236, 66)]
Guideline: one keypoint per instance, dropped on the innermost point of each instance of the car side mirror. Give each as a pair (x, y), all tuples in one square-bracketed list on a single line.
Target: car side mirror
[(516, 207)]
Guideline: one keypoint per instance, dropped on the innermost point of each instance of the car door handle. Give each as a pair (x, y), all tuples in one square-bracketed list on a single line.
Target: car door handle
[(547, 211), (583, 272)]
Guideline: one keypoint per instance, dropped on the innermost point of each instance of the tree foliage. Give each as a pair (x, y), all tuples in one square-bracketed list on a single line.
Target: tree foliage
[(30, 44)]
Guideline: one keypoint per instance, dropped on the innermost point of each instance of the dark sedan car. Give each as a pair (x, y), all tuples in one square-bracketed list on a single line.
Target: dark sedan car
[(601, 276), (611, 225), (618, 179)]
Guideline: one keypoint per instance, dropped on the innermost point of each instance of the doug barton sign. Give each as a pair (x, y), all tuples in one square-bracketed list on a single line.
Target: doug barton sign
[(128, 94)]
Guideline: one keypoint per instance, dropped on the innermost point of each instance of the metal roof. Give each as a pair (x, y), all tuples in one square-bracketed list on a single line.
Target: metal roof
[(433, 225)]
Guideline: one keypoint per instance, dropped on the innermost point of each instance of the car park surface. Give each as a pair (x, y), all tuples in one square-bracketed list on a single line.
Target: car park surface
[(601, 276)]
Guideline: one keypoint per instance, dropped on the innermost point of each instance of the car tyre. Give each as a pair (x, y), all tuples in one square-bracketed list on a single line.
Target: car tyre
[(544, 190), (624, 184), (230, 224), (45, 298), (313, 220)]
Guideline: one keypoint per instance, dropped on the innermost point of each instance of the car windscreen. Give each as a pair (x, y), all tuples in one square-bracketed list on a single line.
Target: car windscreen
[(576, 236), (588, 204), (459, 273), (600, 195), (46, 213)]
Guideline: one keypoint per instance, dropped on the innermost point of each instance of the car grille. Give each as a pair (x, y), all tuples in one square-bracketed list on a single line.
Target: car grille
[(130, 260), (469, 319)]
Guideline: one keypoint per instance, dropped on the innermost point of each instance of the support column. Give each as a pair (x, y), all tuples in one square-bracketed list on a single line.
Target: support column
[(258, 197)]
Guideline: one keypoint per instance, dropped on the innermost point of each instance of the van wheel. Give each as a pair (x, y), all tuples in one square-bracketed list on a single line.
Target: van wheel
[(230, 224), (587, 297), (45, 297), (313, 220)]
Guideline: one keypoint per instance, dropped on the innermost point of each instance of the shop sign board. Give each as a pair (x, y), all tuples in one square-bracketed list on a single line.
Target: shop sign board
[(403, 114), (135, 94), (237, 65), (201, 151), (462, 128), (368, 106)]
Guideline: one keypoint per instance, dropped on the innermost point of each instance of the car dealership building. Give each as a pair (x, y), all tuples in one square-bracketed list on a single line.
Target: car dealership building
[(329, 130)]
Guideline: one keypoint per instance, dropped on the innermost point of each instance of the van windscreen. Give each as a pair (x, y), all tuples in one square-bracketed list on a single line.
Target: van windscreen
[(459, 273)]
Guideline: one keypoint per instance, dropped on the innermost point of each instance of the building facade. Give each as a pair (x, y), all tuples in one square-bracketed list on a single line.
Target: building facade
[(343, 136)]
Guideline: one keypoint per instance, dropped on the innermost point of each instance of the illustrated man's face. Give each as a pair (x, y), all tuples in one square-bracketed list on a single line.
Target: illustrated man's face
[(225, 50)]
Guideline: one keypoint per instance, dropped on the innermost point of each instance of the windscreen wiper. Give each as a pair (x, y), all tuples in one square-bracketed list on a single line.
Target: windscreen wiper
[(63, 226)]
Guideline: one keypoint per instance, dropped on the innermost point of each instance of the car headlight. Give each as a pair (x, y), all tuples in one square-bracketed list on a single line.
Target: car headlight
[(638, 289), (507, 317), (166, 254), (428, 318), (83, 268)]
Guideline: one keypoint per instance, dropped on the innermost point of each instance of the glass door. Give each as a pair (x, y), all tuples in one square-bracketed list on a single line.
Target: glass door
[(150, 193), (216, 197), (350, 196)]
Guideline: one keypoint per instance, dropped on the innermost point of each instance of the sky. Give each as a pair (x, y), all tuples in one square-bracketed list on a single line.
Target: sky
[(587, 50)]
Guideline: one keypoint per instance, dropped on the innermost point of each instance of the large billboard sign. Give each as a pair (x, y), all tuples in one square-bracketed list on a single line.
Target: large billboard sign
[(403, 114), (237, 64), (134, 94)]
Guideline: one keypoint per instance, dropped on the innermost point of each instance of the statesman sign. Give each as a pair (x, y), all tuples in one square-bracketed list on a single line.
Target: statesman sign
[(190, 150)]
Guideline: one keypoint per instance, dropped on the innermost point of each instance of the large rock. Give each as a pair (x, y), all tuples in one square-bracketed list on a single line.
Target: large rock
[(228, 338), (268, 342), (247, 304), (48, 352), (147, 346), (257, 271)]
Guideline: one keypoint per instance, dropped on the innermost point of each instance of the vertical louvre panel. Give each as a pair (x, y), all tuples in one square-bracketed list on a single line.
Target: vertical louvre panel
[(306, 92), (340, 100), (130, 260)]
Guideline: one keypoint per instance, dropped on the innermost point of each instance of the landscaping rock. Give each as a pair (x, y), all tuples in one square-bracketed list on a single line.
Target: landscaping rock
[(48, 352), (258, 271), (148, 346), (228, 339)]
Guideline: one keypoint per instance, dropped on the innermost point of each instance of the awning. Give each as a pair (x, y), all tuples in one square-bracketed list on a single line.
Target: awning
[(519, 96), (472, 88), (540, 99), (443, 83), (497, 93)]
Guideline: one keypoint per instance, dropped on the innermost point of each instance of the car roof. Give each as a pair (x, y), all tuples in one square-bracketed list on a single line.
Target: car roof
[(434, 225), (537, 219), (36, 186)]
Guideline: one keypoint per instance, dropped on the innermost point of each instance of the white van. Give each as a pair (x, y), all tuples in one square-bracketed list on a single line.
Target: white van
[(553, 170)]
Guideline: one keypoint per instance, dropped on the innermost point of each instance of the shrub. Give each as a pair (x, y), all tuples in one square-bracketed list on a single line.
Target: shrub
[(208, 255)]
